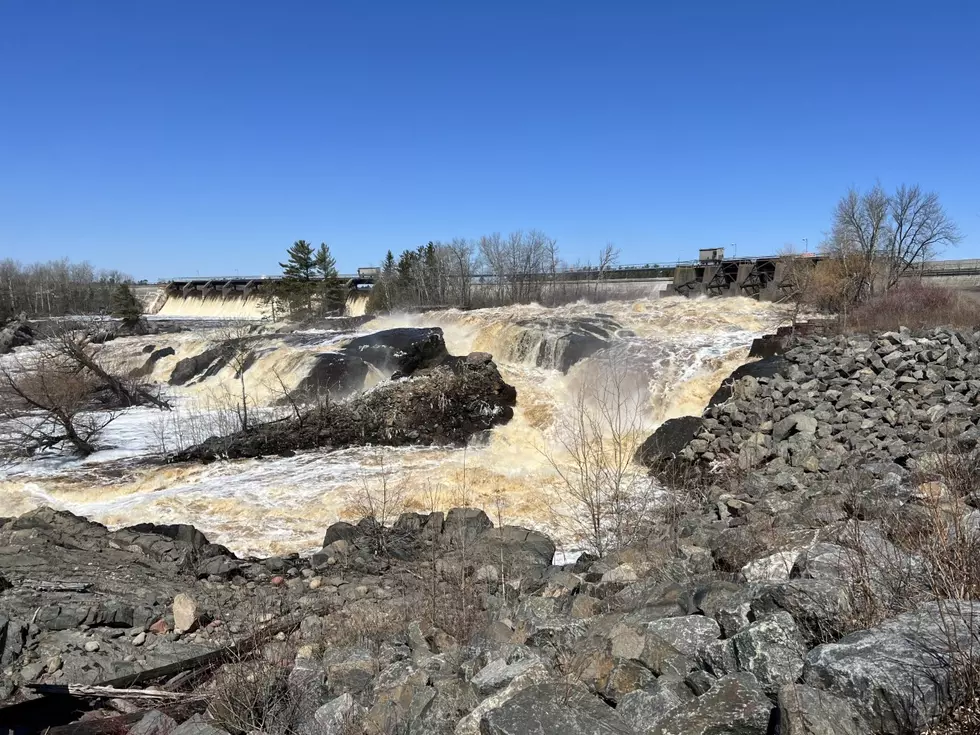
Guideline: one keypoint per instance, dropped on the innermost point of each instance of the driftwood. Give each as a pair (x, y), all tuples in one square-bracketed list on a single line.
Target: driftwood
[(86, 690), (55, 586)]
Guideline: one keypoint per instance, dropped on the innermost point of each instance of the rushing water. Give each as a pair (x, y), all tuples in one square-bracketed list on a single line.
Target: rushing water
[(671, 353)]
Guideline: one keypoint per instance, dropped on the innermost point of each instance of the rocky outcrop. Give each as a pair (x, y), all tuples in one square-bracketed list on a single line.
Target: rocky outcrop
[(560, 342), (443, 405), (15, 333)]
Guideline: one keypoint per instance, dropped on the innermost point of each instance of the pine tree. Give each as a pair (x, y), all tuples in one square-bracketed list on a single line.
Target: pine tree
[(333, 297), (126, 307), (388, 267), (301, 262)]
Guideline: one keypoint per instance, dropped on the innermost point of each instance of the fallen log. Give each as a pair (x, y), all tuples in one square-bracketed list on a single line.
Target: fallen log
[(88, 690)]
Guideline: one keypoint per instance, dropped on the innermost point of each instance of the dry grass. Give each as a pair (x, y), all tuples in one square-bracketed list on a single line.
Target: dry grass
[(913, 305)]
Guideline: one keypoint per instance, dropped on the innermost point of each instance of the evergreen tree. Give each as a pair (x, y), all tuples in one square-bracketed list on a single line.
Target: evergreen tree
[(333, 296), (126, 306), (301, 263), (388, 267)]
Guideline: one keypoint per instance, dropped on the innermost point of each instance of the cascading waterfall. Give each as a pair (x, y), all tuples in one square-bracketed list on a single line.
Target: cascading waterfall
[(672, 354)]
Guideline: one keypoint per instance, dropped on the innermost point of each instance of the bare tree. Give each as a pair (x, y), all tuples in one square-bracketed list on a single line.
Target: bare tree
[(47, 403), (597, 438), (608, 258), (382, 501), (880, 238)]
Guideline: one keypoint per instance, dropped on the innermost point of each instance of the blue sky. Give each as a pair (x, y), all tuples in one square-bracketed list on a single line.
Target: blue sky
[(182, 137)]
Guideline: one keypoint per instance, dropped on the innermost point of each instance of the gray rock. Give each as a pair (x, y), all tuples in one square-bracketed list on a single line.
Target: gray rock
[(688, 634), (470, 724), (197, 725), (646, 708), (154, 722), (498, 673), (897, 675), (819, 607), (553, 709), (340, 531), (771, 649), (336, 717), (804, 710), (349, 670), (464, 525), (736, 705)]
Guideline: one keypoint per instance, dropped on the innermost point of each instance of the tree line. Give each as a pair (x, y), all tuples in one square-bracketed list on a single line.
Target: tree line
[(492, 270), (55, 288)]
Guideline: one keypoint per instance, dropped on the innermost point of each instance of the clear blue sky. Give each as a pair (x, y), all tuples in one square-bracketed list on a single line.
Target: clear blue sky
[(178, 137)]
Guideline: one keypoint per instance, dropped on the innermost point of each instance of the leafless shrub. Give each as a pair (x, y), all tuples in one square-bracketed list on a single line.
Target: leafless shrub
[(611, 498)]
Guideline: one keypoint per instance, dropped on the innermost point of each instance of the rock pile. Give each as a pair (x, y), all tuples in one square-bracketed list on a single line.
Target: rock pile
[(839, 402), (641, 641), (16, 333)]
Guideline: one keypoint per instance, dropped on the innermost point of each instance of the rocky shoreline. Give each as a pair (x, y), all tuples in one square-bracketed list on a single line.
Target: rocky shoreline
[(818, 579)]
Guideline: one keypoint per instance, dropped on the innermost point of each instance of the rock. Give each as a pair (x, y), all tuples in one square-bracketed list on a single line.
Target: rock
[(553, 709), (520, 551), (463, 525), (688, 634), (735, 704), (185, 613), (897, 674), (92, 646), (776, 567), (668, 440), (154, 722), (338, 716), (349, 670), (197, 725), (340, 531), (498, 674), (771, 649), (13, 637), (139, 639), (804, 710), (624, 574), (646, 708), (470, 724)]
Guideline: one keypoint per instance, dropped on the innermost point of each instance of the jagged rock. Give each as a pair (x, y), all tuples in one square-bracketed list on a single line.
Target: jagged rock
[(518, 550), (773, 568), (668, 440), (897, 674), (349, 670), (804, 710), (735, 704), (553, 709), (644, 709), (819, 608), (771, 649), (338, 716), (16, 333), (470, 724), (499, 673), (688, 634)]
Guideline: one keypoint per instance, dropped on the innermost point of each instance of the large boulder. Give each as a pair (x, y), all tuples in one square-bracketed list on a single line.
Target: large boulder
[(403, 350), (735, 705), (553, 709), (518, 550), (668, 440), (901, 673), (16, 333), (771, 649), (804, 710)]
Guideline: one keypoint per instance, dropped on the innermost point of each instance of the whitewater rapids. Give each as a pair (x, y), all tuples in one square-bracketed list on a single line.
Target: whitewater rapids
[(676, 352)]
